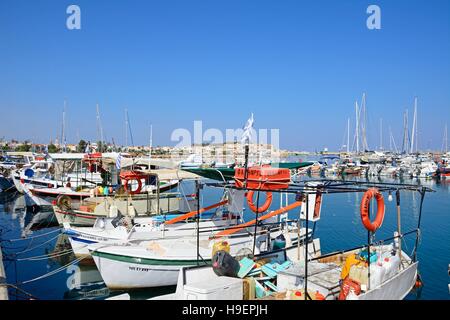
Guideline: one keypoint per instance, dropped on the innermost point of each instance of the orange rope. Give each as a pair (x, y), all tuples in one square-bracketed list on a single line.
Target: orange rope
[(193, 213), (264, 217)]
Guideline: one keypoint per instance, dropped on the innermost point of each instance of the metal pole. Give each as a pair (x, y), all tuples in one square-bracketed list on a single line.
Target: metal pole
[(422, 193), (197, 184), (256, 222), (157, 195), (399, 228), (306, 248), (246, 165)]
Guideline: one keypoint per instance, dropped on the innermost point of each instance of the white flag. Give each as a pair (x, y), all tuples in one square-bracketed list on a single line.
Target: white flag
[(246, 136), (88, 148), (119, 161)]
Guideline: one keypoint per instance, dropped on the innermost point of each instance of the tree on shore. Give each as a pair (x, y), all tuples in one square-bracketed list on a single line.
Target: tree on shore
[(23, 147), (52, 148), (81, 146)]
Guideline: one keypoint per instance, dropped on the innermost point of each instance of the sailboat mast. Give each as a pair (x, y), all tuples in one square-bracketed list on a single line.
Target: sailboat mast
[(151, 145), (63, 128), (364, 125), (126, 129), (99, 126), (445, 140), (357, 126), (381, 133), (348, 135), (414, 128)]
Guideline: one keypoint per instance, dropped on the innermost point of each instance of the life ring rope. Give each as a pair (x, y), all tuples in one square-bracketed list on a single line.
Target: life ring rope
[(365, 207)]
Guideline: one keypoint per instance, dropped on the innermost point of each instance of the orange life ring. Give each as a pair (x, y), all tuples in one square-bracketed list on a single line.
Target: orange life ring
[(138, 190), (365, 205), (262, 208)]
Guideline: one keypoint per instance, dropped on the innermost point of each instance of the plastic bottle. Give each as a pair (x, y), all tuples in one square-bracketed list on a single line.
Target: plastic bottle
[(391, 266)]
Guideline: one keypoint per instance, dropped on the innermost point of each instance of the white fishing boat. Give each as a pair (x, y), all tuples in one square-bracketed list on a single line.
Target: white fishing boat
[(380, 270), (111, 230), (157, 262)]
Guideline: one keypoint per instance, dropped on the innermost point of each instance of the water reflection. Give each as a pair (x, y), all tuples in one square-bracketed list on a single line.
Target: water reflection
[(339, 228)]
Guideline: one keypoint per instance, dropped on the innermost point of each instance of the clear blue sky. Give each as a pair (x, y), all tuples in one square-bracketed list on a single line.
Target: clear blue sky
[(298, 65)]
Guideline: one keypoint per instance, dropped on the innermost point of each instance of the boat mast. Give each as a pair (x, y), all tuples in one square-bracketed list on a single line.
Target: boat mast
[(364, 125), (381, 133), (405, 133), (445, 140), (99, 127), (126, 129), (348, 135), (63, 129), (151, 144), (392, 141), (357, 126), (414, 128)]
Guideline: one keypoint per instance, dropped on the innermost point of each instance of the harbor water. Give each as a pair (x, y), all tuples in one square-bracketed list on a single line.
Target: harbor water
[(38, 260)]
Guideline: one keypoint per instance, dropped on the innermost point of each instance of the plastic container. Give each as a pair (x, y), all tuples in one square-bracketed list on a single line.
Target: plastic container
[(263, 177), (113, 211), (218, 288), (131, 211), (391, 266), (360, 274), (351, 260), (377, 275)]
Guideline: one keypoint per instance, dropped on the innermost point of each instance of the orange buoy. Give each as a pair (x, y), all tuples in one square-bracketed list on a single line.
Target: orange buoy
[(262, 208), (128, 176), (365, 205)]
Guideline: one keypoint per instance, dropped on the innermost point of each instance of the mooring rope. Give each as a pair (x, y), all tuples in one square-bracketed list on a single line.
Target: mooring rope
[(49, 274), (19, 289), (33, 237), (47, 256), (35, 247)]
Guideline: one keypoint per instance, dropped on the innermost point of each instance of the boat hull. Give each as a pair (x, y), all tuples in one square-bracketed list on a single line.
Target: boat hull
[(396, 288), (121, 272)]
